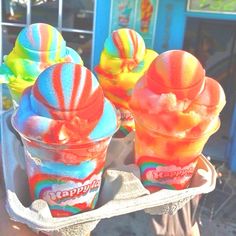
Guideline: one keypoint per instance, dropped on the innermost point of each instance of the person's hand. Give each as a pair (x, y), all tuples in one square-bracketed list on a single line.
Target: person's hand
[(9, 227)]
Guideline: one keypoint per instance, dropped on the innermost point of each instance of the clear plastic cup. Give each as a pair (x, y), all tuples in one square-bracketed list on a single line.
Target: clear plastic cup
[(166, 161), (17, 88), (15, 98), (67, 176)]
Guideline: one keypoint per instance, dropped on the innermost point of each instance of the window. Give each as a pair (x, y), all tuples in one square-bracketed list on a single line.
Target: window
[(73, 18), (215, 6)]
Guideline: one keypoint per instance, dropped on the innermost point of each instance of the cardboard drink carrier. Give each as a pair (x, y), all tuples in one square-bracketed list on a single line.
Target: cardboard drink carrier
[(122, 191)]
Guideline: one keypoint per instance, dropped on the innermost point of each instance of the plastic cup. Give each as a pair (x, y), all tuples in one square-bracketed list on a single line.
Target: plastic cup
[(166, 161), (16, 94), (16, 89), (15, 97), (67, 176)]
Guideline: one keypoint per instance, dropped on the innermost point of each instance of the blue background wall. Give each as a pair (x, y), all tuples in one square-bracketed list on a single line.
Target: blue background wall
[(170, 25), (101, 28)]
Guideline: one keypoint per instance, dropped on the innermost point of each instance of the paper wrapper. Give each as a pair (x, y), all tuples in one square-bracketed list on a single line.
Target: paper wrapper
[(122, 191)]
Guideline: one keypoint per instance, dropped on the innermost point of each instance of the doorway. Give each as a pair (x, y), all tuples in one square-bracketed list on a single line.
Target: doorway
[(213, 42)]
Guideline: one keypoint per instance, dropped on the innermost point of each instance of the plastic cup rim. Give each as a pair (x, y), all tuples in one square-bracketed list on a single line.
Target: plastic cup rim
[(208, 134), (87, 142)]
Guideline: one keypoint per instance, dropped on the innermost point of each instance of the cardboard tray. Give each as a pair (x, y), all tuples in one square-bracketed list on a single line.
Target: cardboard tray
[(121, 193)]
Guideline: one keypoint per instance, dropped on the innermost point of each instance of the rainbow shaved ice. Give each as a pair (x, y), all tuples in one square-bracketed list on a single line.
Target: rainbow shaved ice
[(123, 61), (66, 125), (176, 109), (37, 47)]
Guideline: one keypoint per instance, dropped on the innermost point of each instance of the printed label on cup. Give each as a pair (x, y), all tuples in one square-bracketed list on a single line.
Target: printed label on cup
[(72, 193), (159, 173), (171, 174)]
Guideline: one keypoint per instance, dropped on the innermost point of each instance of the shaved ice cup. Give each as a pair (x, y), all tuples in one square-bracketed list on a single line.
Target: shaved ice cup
[(67, 176), (16, 92), (165, 161)]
